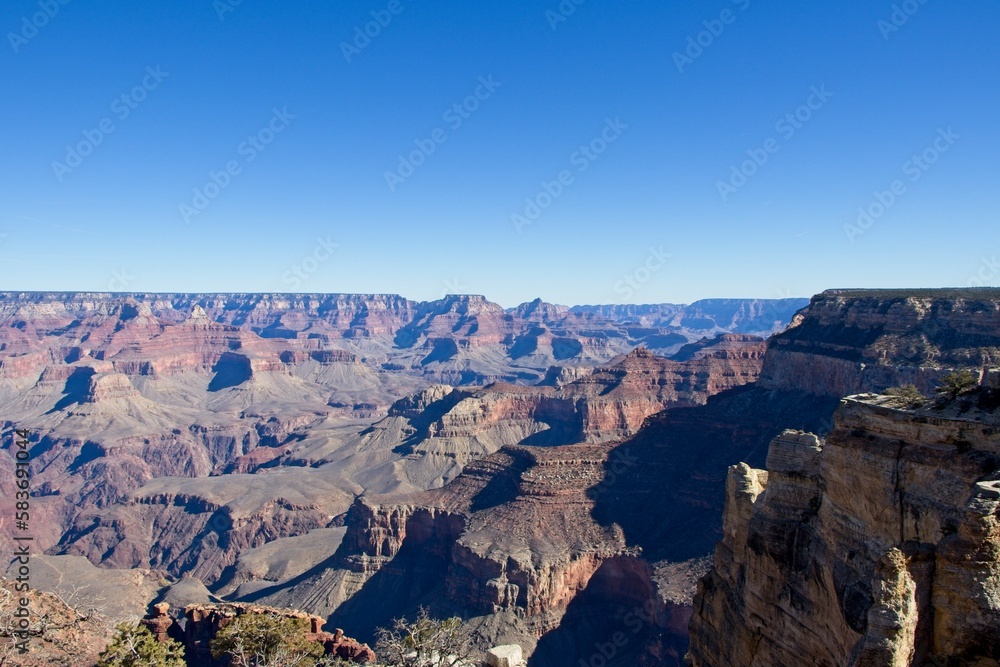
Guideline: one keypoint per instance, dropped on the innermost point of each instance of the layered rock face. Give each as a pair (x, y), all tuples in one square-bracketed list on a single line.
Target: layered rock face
[(511, 544), (121, 390), (421, 337), (445, 424), (201, 434), (878, 545), (852, 341), (710, 316)]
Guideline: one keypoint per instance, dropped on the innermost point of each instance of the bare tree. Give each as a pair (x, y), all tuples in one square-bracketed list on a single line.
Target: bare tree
[(57, 627), (424, 642)]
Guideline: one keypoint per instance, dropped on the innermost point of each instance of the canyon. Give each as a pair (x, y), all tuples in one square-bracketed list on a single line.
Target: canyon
[(557, 477), (142, 403), (621, 530)]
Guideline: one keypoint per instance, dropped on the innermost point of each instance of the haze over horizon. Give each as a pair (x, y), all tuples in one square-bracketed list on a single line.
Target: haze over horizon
[(234, 146)]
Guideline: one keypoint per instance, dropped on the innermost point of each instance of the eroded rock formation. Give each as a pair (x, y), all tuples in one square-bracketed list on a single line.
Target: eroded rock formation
[(512, 539), (879, 545), (654, 506), (203, 623)]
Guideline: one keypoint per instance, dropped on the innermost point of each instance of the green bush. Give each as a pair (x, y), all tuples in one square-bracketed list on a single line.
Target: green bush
[(955, 384), (135, 646), (907, 396), (267, 640)]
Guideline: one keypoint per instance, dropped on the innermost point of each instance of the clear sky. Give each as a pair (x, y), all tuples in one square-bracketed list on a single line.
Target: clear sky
[(654, 138)]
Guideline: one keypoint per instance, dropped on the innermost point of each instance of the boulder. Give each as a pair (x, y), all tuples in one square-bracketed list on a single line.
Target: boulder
[(505, 656)]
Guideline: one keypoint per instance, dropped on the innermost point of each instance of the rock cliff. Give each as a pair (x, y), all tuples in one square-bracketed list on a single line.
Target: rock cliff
[(853, 341), (878, 545)]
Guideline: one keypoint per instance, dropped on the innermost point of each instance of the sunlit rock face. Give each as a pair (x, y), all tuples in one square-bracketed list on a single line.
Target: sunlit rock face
[(878, 545)]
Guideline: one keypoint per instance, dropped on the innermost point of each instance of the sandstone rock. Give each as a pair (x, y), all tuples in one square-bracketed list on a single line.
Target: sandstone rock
[(852, 341), (159, 622), (883, 554), (109, 387), (505, 656)]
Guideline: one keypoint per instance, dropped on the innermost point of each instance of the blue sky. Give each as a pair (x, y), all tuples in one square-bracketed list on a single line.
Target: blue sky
[(628, 125)]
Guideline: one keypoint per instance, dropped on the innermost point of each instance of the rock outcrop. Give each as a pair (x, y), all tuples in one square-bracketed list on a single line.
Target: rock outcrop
[(505, 656), (853, 341), (203, 623), (878, 545)]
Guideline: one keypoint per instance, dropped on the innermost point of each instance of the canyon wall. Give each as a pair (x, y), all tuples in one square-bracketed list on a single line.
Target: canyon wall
[(878, 545), (852, 341)]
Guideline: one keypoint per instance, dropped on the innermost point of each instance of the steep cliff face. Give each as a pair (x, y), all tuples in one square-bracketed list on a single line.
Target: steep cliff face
[(879, 545), (852, 341), (512, 545)]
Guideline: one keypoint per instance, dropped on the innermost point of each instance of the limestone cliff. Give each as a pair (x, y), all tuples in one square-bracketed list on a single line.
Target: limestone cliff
[(851, 341), (877, 546)]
